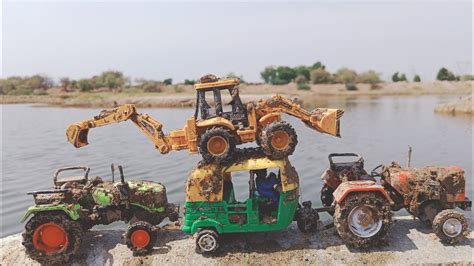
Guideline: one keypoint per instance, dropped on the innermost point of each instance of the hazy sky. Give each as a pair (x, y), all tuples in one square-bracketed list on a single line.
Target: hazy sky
[(186, 40)]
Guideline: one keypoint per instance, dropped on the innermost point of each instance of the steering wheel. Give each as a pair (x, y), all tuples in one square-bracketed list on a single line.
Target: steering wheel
[(375, 173)]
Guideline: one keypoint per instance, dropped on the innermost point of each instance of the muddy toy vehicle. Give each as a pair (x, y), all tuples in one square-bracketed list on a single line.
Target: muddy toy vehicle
[(76, 203), (216, 129), (363, 207), (211, 208)]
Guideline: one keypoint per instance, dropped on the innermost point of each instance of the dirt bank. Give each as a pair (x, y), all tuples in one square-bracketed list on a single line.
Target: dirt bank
[(411, 243), (185, 97), (463, 106)]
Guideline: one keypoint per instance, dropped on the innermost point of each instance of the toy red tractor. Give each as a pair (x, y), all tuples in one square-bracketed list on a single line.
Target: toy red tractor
[(363, 207)]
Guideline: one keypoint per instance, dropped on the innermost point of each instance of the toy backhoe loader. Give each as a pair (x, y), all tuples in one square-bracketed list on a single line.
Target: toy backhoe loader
[(214, 131)]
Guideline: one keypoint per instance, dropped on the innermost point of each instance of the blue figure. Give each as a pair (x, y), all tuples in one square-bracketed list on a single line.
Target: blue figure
[(266, 186)]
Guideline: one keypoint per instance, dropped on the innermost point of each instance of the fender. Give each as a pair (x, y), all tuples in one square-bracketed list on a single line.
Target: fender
[(215, 121), (206, 223), (72, 213), (269, 118), (349, 187)]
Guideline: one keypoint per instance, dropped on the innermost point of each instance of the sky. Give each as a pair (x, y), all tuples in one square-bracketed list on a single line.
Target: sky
[(185, 40)]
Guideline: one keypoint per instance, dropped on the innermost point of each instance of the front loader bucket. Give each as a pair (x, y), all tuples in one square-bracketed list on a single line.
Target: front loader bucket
[(77, 136), (326, 120)]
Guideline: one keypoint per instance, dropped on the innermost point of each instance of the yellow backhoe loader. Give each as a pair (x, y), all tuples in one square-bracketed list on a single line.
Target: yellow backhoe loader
[(216, 129)]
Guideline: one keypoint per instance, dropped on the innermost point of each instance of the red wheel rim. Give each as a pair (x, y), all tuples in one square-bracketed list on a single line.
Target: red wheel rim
[(140, 238), (50, 238), (217, 145)]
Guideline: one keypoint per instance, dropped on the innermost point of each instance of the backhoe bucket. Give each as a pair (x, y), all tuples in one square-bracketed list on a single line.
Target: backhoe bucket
[(77, 136), (326, 120)]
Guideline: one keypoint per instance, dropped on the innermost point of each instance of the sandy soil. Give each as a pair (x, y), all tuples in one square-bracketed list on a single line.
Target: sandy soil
[(410, 243), (464, 106), (186, 97)]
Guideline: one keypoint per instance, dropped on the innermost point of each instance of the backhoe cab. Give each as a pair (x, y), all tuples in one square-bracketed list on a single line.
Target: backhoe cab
[(216, 128)]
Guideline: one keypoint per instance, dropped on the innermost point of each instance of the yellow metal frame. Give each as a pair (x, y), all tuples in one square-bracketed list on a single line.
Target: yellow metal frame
[(206, 183), (217, 84)]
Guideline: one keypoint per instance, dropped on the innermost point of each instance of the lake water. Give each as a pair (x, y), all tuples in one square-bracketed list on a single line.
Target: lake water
[(34, 145)]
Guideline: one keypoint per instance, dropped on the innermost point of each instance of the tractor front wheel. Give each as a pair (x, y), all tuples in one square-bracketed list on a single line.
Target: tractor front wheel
[(217, 144), (450, 226), (278, 140), (363, 219), (141, 238), (52, 238)]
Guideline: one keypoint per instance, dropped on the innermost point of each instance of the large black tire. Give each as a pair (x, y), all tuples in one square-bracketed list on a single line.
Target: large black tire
[(307, 218), (52, 250), (446, 221), (374, 207), (141, 238), (207, 241), (217, 145), (327, 197), (278, 140)]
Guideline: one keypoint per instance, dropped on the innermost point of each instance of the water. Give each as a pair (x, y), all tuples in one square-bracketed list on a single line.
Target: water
[(380, 129)]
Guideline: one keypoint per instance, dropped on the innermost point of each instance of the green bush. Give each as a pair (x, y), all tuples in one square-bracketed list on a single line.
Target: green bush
[(467, 77), (168, 81), (346, 75), (150, 85), (351, 87), (304, 86), (396, 77), (320, 75), (25, 85), (300, 79), (416, 78), (369, 77), (445, 74), (189, 82), (303, 71)]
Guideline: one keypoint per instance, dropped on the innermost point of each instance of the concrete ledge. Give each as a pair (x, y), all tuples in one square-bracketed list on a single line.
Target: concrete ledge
[(410, 242)]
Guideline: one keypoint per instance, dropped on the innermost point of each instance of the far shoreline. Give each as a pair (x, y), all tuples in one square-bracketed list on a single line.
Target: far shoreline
[(185, 98)]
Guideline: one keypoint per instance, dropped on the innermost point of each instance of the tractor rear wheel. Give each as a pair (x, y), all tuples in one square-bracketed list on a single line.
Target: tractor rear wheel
[(450, 226), (217, 144), (141, 238), (363, 219), (52, 238), (278, 139)]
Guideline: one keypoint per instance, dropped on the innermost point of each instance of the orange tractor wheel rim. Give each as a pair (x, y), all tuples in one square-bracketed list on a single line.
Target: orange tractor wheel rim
[(280, 140), (50, 238), (140, 238), (217, 145)]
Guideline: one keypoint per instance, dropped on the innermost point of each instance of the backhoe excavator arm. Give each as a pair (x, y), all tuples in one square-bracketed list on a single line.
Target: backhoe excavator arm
[(77, 132), (323, 120)]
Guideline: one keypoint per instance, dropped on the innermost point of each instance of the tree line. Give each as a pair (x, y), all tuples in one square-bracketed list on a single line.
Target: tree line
[(276, 75)]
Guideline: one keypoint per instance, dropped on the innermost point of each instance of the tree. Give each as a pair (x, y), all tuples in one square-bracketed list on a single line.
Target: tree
[(283, 75), (416, 78), (85, 85), (445, 74), (303, 71), (320, 75), (403, 77), (268, 73), (346, 75), (64, 83), (318, 65), (395, 77), (189, 82), (168, 81)]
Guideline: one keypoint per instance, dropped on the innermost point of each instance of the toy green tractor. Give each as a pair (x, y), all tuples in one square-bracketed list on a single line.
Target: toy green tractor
[(60, 216)]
